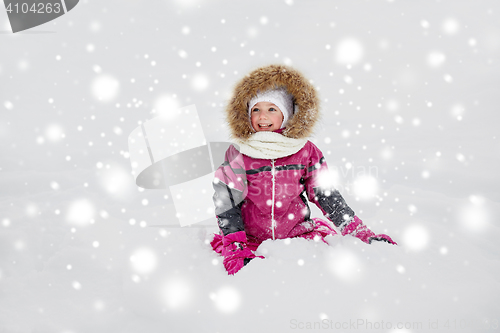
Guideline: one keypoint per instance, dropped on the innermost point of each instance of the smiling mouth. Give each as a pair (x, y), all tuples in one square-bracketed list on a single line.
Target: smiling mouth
[(265, 125)]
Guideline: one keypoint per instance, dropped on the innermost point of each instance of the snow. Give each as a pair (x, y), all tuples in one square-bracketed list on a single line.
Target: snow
[(411, 91), (451, 26), (349, 51), (8, 105), (105, 87), (200, 82), (435, 58)]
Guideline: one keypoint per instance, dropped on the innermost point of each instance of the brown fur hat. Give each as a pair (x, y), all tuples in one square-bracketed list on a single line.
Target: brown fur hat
[(264, 78)]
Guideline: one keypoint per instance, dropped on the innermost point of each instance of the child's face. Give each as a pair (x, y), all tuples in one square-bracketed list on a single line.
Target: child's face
[(266, 116)]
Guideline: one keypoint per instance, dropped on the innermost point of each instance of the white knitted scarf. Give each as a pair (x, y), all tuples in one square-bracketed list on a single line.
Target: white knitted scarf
[(269, 145)]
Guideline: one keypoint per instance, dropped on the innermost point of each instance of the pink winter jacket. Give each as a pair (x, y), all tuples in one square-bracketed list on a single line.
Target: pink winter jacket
[(267, 198)]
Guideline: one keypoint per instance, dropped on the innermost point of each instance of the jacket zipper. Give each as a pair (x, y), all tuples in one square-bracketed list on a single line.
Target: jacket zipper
[(273, 222)]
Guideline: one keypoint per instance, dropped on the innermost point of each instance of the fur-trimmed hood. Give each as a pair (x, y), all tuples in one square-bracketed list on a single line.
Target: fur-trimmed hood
[(305, 99)]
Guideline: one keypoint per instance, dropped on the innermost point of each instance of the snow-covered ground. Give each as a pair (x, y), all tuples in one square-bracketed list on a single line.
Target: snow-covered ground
[(410, 126)]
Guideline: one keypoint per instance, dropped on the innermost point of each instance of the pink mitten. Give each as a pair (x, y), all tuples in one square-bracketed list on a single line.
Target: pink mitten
[(357, 229), (235, 251)]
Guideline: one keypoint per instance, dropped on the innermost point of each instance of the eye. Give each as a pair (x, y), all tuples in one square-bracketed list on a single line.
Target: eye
[(272, 109), (255, 110)]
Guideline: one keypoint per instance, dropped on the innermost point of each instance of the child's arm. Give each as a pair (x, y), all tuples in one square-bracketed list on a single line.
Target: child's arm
[(321, 192), (332, 204), (230, 191)]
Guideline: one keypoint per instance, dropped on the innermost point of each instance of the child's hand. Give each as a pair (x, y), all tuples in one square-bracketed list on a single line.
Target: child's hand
[(236, 253), (357, 229)]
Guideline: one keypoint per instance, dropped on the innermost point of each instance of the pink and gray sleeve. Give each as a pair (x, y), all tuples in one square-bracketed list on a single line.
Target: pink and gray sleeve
[(325, 196), (230, 190)]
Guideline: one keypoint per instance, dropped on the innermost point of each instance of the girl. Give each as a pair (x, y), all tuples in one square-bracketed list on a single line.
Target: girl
[(261, 188)]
